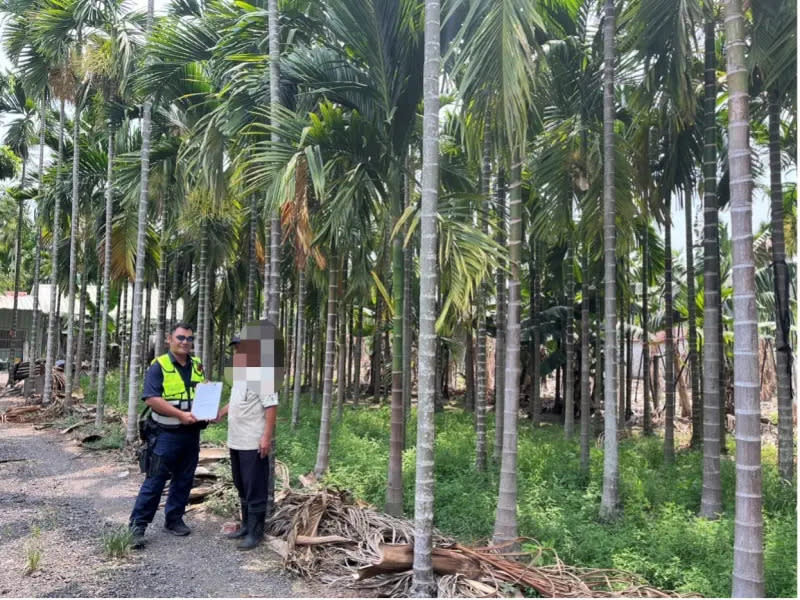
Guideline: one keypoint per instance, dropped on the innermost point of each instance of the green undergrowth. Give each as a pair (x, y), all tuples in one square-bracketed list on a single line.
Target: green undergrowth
[(657, 535)]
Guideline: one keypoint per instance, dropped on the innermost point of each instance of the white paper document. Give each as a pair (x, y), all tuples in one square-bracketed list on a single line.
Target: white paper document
[(205, 405)]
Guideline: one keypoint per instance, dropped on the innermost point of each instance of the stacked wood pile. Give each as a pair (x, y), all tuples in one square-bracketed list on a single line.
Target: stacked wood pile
[(325, 535)]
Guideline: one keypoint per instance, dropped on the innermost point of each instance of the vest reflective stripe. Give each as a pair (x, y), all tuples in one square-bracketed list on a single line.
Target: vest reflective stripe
[(175, 391)]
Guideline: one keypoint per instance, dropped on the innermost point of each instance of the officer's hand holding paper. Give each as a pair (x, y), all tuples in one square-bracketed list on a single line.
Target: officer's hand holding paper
[(206, 400)]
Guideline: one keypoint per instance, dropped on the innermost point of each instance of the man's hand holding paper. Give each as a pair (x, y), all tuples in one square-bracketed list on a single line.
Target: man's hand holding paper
[(205, 406)]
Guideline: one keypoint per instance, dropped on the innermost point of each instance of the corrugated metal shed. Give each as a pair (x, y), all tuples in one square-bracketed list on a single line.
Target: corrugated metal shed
[(92, 292), (24, 302)]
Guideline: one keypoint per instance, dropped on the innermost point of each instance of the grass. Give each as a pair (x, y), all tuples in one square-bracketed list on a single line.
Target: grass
[(657, 536), (33, 552), (117, 542)]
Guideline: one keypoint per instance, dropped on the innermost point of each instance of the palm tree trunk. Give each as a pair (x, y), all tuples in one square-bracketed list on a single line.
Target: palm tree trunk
[(315, 337), (408, 255), (320, 373), (221, 351), (53, 328), (423, 582), (267, 263), (438, 369), (95, 329), (669, 344), (274, 101), (621, 356), (394, 490), (161, 321), (599, 367), (301, 292), (251, 262), (781, 275), (124, 347), (535, 405), (138, 282), (291, 336), (173, 305), (505, 527), (557, 400), (59, 341), (341, 348), (323, 447), (569, 388), (586, 402), (73, 258), (145, 346), (629, 362), (376, 349), (480, 400), (648, 422), (469, 371), (359, 347), (309, 352), (748, 546), (82, 312), (500, 336), (101, 370), (654, 387), (208, 311), (202, 289), (610, 498), (407, 341), (350, 350), (697, 400), (18, 258), (37, 261)]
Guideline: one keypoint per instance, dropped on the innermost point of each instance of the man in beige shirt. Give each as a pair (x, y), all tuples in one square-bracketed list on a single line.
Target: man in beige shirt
[(257, 373)]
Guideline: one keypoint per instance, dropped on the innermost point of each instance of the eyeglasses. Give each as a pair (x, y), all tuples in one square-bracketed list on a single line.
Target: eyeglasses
[(184, 338)]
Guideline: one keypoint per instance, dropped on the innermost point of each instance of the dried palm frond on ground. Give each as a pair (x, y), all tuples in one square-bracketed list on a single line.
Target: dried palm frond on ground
[(324, 534)]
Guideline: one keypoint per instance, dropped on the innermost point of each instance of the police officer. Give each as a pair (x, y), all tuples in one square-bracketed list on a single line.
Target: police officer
[(174, 435)]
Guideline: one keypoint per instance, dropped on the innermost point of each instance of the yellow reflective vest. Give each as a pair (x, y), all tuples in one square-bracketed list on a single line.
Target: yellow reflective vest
[(175, 390)]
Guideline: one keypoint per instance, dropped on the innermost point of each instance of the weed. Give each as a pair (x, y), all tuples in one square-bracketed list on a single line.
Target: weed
[(33, 551), (658, 535), (117, 542), (112, 437), (225, 503), (67, 420)]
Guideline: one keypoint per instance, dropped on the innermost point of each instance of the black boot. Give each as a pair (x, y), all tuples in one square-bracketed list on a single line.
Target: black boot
[(255, 528), (137, 535), (242, 531)]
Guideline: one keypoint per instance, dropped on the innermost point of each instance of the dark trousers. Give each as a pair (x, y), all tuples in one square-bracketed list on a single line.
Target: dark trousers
[(174, 457), (250, 476)]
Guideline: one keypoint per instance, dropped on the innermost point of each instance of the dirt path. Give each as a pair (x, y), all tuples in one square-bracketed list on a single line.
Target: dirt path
[(60, 499)]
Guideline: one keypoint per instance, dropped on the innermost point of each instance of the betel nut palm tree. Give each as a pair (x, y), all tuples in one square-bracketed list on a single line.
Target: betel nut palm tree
[(423, 583), (748, 553)]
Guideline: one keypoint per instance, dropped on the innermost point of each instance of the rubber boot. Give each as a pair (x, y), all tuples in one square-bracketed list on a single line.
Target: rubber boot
[(255, 529), (242, 531)]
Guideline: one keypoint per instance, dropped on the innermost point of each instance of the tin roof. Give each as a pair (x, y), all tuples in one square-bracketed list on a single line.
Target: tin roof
[(25, 301)]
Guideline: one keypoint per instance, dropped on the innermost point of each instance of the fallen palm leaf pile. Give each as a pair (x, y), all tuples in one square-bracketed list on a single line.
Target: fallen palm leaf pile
[(326, 535), (34, 412)]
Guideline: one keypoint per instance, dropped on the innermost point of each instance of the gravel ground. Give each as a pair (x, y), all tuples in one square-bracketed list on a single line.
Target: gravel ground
[(60, 498)]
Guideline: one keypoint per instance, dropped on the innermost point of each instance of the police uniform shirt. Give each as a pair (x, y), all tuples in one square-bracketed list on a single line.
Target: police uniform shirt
[(154, 377)]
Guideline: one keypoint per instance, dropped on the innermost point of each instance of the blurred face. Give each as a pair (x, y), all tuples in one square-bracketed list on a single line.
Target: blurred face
[(258, 363), (180, 342)]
